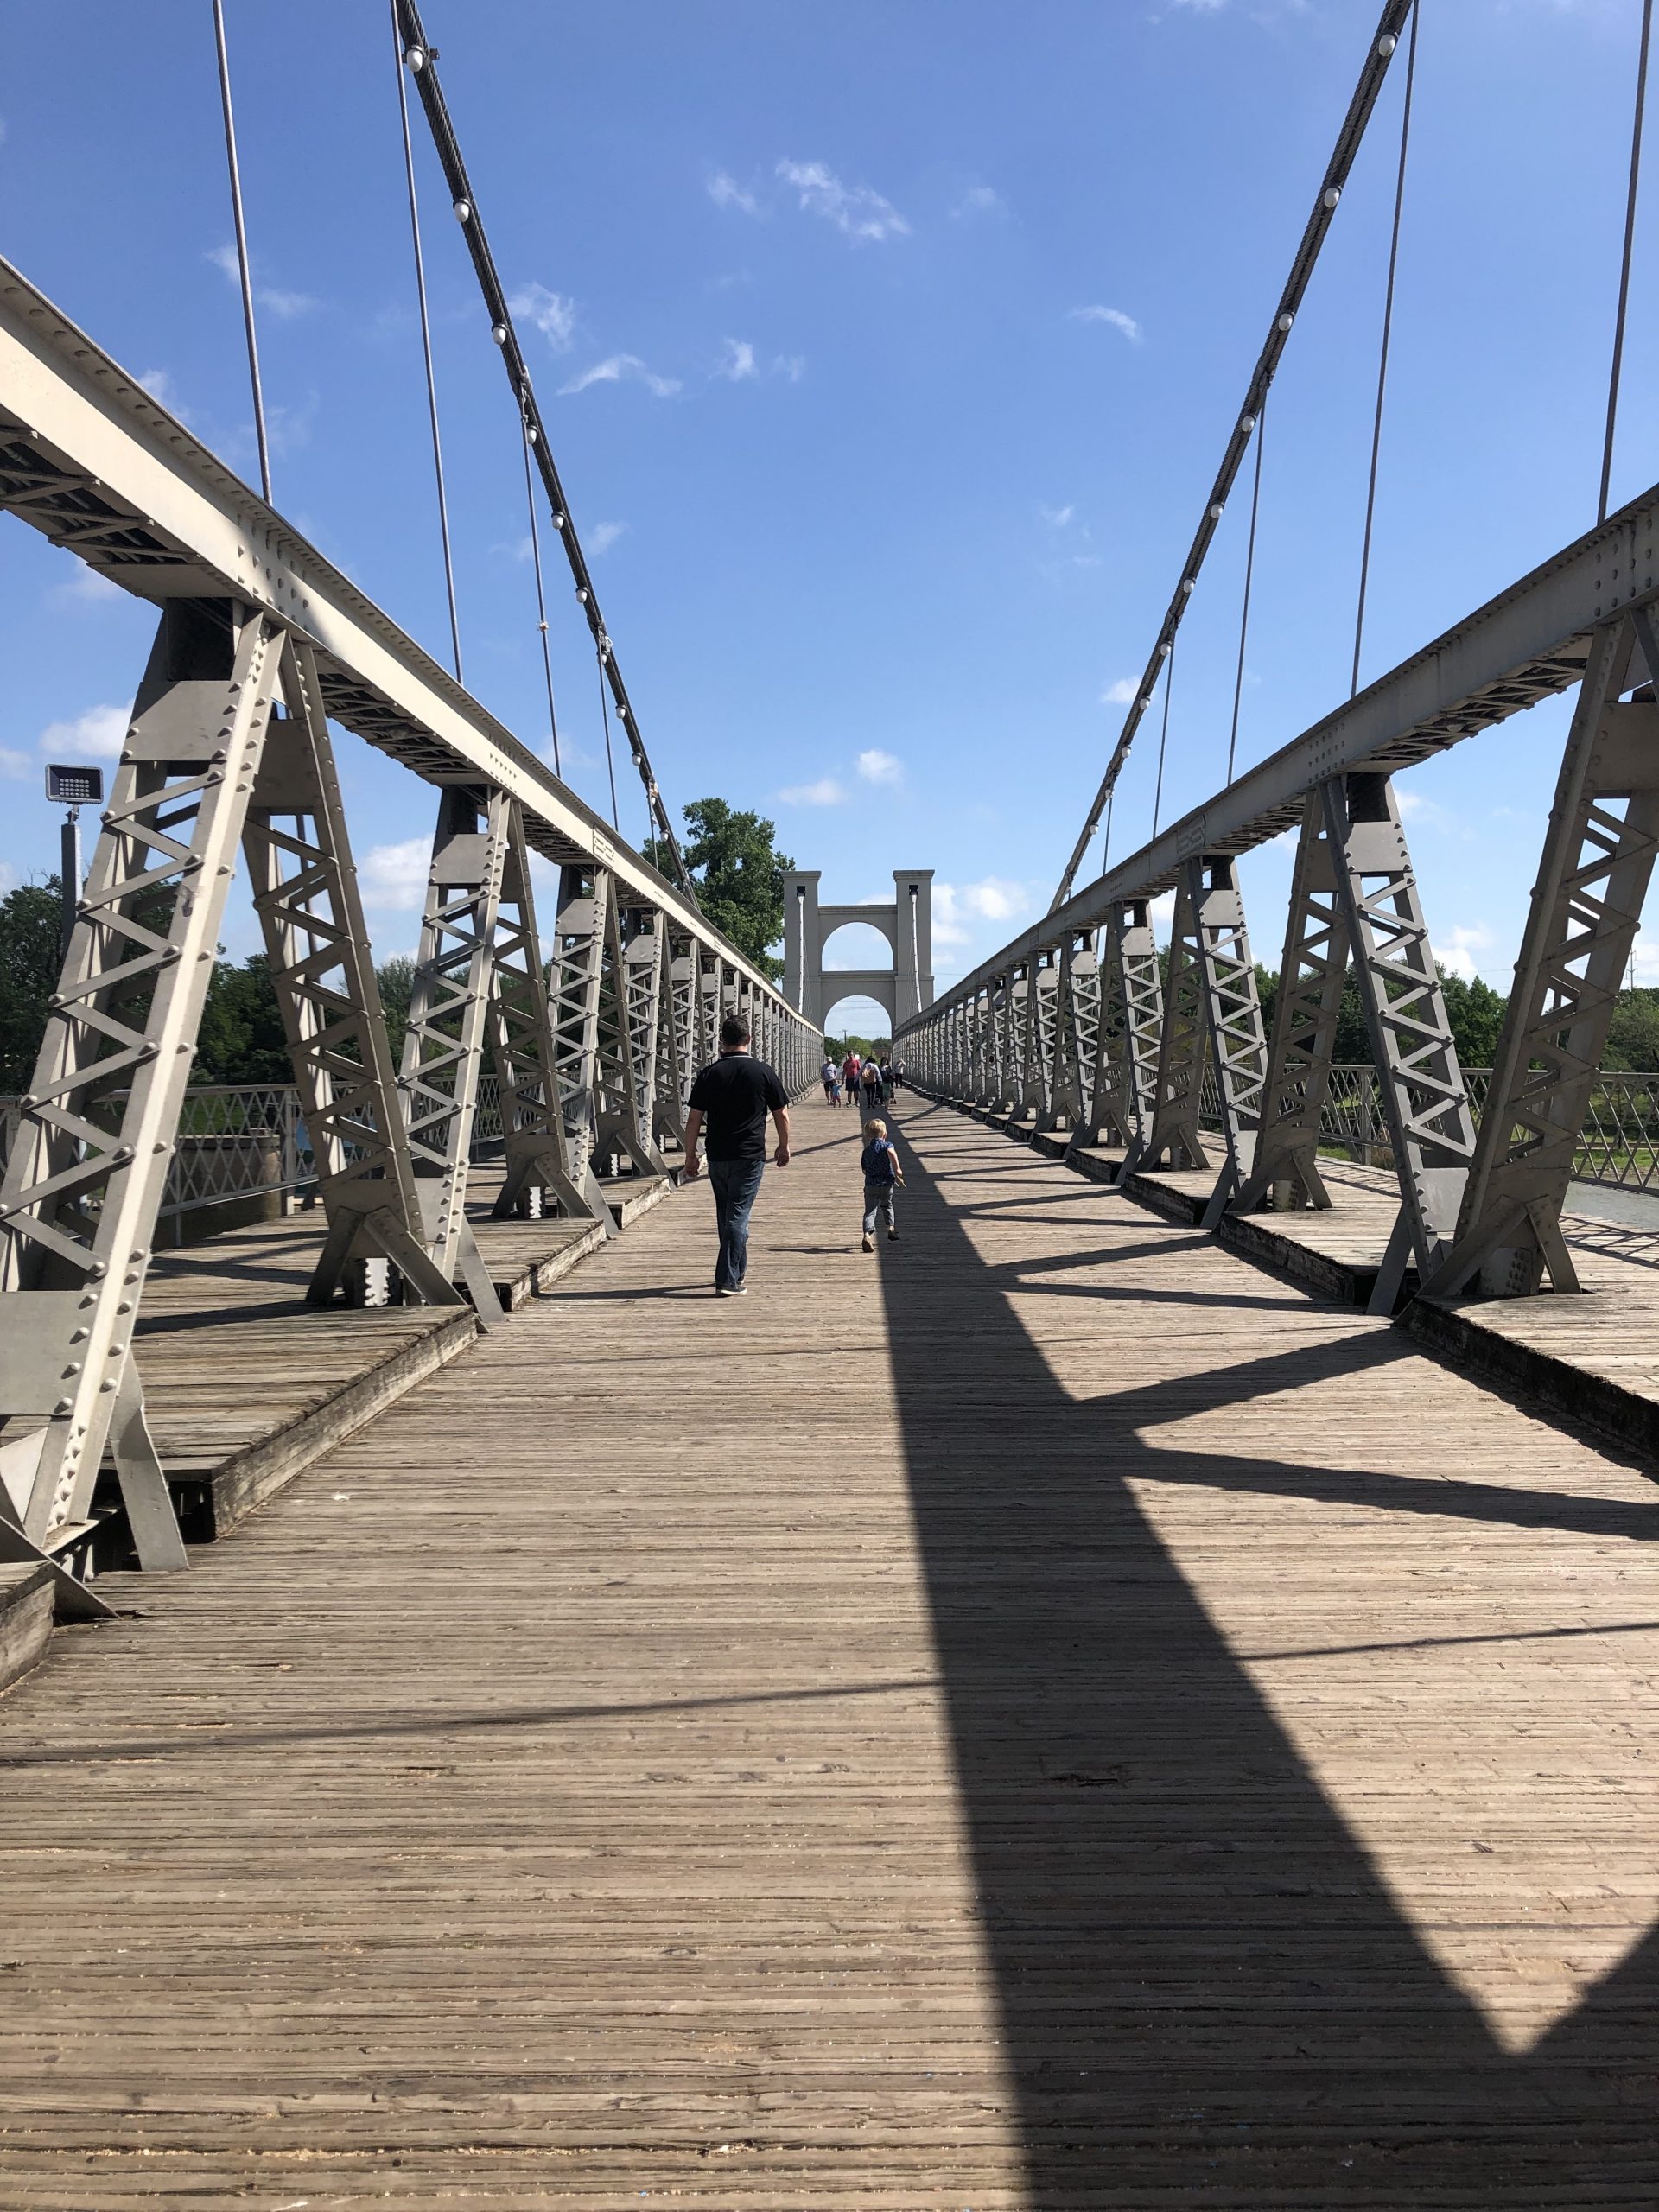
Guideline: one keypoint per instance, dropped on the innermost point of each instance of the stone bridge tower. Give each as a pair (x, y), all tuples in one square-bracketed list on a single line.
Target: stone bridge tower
[(904, 990)]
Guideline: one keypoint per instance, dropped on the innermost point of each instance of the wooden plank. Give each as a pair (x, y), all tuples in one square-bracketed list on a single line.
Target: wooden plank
[(1047, 1716)]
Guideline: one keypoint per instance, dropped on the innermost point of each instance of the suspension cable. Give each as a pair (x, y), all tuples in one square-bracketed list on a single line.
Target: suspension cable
[(244, 266), (528, 430), (1163, 741), (426, 343), (1624, 266), (1383, 42), (602, 647), (1382, 356), (422, 63), (1249, 579)]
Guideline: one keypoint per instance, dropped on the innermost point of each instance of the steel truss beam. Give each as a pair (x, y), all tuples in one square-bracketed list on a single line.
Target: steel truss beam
[(576, 979), (1176, 1139), (1076, 1019), (677, 1062), (1424, 1100), (88, 1169), (450, 1021), (640, 973), (89, 459), (317, 947), (1586, 906), (1527, 644), (1311, 978), (1232, 1012), (536, 1156)]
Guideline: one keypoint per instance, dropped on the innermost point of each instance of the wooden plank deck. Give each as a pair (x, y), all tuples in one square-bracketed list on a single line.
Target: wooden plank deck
[(245, 1384), (1051, 1716)]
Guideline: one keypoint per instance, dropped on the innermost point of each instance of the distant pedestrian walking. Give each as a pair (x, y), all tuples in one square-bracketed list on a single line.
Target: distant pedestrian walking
[(850, 1070), (831, 1076), (733, 1095), (871, 1077), (882, 1177)]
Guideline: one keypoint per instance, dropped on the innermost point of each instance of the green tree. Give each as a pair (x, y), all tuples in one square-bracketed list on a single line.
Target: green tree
[(1476, 1012), (396, 977), (30, 922), (739, 873), (241, 1037)]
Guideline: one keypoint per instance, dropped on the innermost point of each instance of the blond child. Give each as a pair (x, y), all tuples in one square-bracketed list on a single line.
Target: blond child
[(882, 1176)]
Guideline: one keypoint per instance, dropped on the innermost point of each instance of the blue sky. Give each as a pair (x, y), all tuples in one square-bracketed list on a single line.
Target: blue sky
[(888, 352)]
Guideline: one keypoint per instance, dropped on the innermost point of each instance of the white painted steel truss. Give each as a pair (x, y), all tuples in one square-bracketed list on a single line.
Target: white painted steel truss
[(262, 645)]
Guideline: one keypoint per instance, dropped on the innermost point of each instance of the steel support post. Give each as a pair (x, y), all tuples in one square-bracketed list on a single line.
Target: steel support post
[(305, 892), (575, 975), (1232, 1008), (677, 1064), (642, 980), (1129, 1040), (1586, 906), (535, 1149), (1285, 1170), (1077, 1030), (1424, 1100), (97, 1125), (449, 1020), (616, 1098), (1176, 1139), (1047, 1022)]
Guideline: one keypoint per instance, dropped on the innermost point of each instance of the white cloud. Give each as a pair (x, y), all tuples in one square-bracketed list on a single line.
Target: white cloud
[(516, 549), (726, 191), (604, 535), (395, 875), (981, 199), (1057, 517), (13, 763), (285, 306), (619, 368), (553, 314), (86, 587), (1115, 316), (739, 365), (857, 212), (956, 906), (7, 879), (826, 792), (1456, 950), (101, 730), (792, 366), (878, 767), (1118, 693)]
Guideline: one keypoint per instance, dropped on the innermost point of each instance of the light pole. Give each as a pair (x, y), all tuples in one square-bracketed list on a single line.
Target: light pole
[(73, 788)]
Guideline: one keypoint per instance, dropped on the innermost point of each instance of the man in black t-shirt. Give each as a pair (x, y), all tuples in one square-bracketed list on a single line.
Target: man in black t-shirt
[(733, 1095)]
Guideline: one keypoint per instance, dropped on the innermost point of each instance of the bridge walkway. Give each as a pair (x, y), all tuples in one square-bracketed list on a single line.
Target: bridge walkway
[(1051, 1716)]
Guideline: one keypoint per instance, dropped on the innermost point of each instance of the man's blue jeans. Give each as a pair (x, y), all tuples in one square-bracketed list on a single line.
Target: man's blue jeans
[(735, 1184)]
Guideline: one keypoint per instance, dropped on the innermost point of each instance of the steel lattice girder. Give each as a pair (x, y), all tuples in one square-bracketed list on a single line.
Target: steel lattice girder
[(1528, 642), (1586, 906), (1176, 1139), (92, 460)]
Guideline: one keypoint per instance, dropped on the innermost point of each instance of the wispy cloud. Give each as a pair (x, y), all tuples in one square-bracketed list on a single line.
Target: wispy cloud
[(395, 875), (1114, 316), (726, 191), (284, 305), (738, 364), (826, 792), (622, 368), (101, 730), (979, 199), (13, 763), (857, 211), (553, 314), (86, 587), (878, 767), (791, 366), (1118, 693), (958, 906), (603, 535), (1057, 517), (1456, 951)]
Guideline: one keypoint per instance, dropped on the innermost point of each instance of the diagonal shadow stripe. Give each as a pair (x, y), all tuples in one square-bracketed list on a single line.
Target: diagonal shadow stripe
[(1205, 1984)]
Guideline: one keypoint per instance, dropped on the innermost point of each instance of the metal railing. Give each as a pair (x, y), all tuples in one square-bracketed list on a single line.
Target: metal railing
[(242, 1140), (1618, 1145)]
